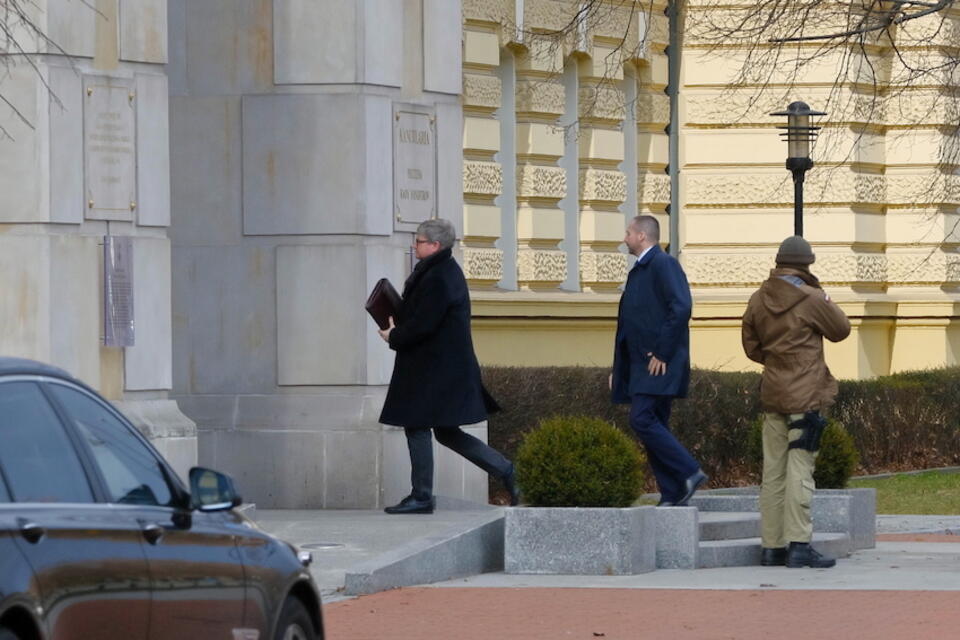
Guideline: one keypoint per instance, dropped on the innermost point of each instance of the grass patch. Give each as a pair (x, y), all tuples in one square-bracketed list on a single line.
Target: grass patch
[(927, 493)]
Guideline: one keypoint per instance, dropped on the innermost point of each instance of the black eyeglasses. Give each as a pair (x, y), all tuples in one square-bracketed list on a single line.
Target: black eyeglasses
[(419, 241)]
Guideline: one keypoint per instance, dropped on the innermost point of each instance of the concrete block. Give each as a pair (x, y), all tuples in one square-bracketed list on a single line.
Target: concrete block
[(442, 34), (23, 158), (177, 46), (331, 409), (315, 42), (351, 466), (71, 24), (677, 536), (153, 151), (580, 541), (321, 324), (450, 164), (206, 132), (229, 46), (383, 42), (226, 314), (24, 278), (451, 554), (143, 31), (275, 470), (317, 164), (66, 146), (147, 364), (717, 502), (861, 521), (75, 286), (725, 525)]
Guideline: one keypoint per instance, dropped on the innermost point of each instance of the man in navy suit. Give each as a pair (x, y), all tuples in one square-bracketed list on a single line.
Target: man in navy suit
[(651, 360)]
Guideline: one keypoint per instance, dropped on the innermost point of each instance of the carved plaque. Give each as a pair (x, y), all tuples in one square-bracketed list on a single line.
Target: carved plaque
[(118, 291), (414, 166), (110, 148)]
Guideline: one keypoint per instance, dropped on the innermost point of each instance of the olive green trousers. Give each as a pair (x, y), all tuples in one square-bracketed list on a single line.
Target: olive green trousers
[(787, 488)]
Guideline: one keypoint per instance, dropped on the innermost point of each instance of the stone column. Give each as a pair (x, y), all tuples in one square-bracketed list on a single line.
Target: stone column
[(602, 185), (541, 183), (285, 119), (482, 174), (93, 161)]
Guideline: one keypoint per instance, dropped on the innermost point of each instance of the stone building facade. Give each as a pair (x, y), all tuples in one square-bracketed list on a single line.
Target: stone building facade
[(253, 153), (546, 201)]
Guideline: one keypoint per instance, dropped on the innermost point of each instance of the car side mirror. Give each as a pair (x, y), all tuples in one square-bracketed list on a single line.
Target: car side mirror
[(212, 491)]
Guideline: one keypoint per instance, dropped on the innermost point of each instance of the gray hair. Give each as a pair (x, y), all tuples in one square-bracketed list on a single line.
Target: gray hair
[(438, 230), (647, 225)]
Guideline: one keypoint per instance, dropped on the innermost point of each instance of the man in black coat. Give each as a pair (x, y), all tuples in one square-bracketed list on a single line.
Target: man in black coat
[(651, 361), (436, 378)]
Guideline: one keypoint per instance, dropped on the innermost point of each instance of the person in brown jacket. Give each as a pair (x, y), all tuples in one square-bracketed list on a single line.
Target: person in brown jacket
[(783, 329)]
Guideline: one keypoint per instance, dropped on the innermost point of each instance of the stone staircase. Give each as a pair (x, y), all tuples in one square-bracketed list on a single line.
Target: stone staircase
[(728, 523), (732, 539)]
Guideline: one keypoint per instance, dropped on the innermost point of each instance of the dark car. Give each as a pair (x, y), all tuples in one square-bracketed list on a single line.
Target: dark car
[(100, 540)]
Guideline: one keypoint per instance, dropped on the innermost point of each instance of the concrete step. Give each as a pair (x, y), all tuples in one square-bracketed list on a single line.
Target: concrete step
[(743, 552), (724, 525)]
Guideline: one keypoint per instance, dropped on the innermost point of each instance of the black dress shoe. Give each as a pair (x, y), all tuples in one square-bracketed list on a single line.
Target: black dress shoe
[(801, 554), (773, 557), (691, 484), (510, 482), (412, 505)]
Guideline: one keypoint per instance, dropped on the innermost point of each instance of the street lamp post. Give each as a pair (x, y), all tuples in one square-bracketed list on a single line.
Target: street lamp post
[(798, 135)]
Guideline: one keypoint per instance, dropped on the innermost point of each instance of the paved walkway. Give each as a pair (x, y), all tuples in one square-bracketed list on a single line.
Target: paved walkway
[(908, 587), (900, 590)]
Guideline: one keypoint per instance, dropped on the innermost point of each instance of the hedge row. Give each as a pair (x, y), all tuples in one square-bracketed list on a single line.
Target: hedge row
[(900, 422)]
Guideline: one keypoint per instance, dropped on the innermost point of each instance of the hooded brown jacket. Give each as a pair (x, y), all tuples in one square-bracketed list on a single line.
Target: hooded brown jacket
[(783, 329)]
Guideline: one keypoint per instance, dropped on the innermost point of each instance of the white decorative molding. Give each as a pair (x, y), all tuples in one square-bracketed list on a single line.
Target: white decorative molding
[(750, 269), (602, 102), (482, 263), (537, 181), (605, 266), (598, 184), (541, 96), (825, 186), (482, 178), (481, 91), (653, 188), (541, 265)]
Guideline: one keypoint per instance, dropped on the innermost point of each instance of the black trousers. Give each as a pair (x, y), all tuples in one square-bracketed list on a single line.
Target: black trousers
[(473, 449)]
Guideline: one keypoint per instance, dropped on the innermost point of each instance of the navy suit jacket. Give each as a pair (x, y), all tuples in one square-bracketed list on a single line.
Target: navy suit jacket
[(654, 318)]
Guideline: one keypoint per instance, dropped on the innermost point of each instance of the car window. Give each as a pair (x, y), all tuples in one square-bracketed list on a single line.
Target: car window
[(37, 457), (129, 468)]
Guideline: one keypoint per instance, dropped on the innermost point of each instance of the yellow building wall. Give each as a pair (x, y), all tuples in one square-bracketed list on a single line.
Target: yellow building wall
[(886, 241)]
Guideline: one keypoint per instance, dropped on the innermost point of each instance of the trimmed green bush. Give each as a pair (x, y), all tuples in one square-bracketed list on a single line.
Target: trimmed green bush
[(838, 458), (578, 461), (836, 462)]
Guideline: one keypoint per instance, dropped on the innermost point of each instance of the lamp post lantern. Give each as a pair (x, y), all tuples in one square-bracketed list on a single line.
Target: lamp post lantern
[(798, 134)]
